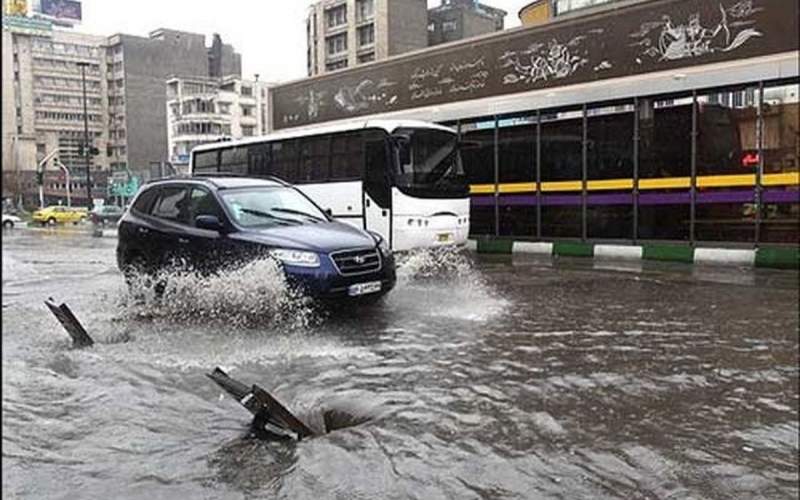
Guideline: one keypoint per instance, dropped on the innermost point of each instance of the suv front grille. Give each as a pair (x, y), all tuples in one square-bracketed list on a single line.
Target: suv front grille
[(351, 262)]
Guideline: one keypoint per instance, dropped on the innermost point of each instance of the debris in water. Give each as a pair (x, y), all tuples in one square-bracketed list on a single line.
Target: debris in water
[(70, 323), (271, 419)]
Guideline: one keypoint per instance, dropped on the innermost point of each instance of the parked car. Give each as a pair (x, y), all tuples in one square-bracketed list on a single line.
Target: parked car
[(106, 214), (60, 215), (213, 222), (9, 221)]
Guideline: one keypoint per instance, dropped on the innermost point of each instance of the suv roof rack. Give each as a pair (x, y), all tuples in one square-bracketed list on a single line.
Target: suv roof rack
[(210, 176)]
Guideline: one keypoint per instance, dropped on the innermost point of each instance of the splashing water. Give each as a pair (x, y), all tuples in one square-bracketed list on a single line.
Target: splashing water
[(449, 281), (436, 263), (253, 294)]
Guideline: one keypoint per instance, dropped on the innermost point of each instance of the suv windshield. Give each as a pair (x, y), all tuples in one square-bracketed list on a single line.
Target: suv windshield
[(429, 164), (271, 206)]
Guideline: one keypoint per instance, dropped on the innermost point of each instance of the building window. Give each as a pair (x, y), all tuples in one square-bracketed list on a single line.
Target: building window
[(247, 110), (336, 65), (337, 44), (365, 58), (564, 6), (247, 91), (366, 35), (449, 26), (248, 130), (364, 9), (431, 27), (336, 16)]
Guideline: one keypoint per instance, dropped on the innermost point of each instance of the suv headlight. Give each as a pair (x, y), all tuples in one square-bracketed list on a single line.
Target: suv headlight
[(296, 257)]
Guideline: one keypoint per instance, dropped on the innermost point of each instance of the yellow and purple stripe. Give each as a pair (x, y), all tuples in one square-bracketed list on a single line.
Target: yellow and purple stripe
[(778, 188)]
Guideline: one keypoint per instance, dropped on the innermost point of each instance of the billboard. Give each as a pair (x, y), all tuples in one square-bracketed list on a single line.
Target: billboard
[(61, 9), (15, 7), (637, 39)]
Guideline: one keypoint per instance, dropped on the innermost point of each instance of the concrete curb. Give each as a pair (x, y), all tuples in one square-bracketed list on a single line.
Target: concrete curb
[(764, 257)]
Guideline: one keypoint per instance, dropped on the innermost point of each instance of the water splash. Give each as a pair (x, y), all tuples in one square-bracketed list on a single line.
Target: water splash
[(254, 294), (447, 283)]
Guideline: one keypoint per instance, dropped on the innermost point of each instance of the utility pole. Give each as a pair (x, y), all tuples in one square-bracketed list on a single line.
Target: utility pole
[(86, 147), (69, 182)]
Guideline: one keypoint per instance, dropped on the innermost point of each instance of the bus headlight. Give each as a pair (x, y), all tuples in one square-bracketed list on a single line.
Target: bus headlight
[(296, 257)]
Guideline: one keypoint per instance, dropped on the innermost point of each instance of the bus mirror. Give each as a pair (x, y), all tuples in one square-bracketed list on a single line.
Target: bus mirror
[(329, 212), (401, 139)]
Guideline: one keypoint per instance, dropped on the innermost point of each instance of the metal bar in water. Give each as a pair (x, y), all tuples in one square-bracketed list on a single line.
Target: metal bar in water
[(80, 338), (260, 403)]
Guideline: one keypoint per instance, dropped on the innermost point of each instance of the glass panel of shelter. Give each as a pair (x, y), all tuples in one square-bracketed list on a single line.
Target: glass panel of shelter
[(779, 221), (725, 202), (478, 138), (609, 170), (517, 200)]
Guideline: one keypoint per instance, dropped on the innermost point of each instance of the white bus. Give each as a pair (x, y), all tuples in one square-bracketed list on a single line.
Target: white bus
[(401, 179)]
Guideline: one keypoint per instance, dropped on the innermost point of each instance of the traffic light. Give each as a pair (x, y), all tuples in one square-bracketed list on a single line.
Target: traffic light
[(40, 177), (94, 151), (80, 149)]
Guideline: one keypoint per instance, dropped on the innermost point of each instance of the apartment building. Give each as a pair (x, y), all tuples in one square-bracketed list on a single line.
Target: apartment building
[(138, 71), (125, 75), (345, 33), (203, 110), (542, 11), (43, 96), (459, 19)]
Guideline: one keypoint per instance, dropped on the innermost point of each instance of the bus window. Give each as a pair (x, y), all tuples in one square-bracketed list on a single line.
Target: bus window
[(234, 160), (259, 160), (284, 160), (314, 160), (347, 157), (377, 182), (206, 162)]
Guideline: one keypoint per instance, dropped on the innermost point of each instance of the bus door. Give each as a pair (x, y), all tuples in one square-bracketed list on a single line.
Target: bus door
[(377, 189)]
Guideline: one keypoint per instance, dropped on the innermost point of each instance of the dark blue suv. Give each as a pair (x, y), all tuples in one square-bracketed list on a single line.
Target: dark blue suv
[(209, 223)]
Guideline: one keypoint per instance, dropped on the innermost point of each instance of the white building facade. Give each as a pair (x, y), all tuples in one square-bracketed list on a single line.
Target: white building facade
[(204, 110)]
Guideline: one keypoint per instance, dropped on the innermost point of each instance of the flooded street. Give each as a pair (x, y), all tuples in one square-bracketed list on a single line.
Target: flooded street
[(478, 377)]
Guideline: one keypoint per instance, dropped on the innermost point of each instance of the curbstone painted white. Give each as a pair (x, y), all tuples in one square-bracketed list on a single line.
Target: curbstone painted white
[(621, 252), (725, 257), (539, 248)]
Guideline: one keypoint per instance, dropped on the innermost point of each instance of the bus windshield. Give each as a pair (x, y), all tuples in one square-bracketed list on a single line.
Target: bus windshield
[(428, 164)]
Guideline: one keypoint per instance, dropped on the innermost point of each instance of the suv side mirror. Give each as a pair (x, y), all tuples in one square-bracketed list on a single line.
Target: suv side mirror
[(209, 222)]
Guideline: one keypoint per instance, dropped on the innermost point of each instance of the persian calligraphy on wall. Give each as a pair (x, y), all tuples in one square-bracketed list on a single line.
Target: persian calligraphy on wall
[(653, 36)]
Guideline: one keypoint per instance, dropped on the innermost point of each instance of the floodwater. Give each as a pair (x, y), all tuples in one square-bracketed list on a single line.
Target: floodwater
[(478, 377)]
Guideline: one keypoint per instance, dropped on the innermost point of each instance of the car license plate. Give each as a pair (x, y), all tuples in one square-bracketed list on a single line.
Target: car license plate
[(444, 237), (364, 288)]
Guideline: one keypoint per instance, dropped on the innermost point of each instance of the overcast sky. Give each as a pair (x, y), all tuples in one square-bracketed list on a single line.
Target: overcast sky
[(270, 34)]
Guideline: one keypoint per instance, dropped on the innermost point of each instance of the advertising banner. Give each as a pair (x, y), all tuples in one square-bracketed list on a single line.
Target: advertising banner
[(15, 7), (639, 39), (62, 9)]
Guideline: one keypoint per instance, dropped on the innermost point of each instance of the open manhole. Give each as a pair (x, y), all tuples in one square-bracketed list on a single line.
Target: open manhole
[(273, 421)]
